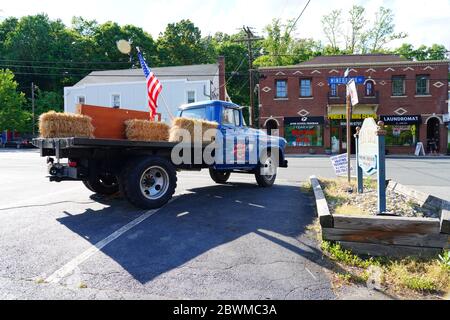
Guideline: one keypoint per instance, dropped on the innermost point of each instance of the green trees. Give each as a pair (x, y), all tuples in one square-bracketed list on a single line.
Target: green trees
[(45, 51), (12, 113), (181, 44), (280, 48), (435, 52), (357, 34)]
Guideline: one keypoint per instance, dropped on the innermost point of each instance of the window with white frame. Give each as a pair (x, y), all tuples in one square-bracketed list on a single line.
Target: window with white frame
[(115, 101), (190, 96), (81, 99)]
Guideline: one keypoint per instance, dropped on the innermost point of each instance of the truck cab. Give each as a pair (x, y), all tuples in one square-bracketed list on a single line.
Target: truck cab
[(240, 147)]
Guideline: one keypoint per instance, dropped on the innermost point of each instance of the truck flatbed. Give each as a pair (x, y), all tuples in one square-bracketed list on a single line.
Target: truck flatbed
[(65, 143), (145, 173)]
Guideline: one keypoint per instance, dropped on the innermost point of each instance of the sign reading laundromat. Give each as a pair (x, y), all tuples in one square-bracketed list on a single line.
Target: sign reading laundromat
[(368, 147)]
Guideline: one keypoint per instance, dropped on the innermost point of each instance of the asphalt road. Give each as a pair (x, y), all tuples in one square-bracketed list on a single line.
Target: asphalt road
[(428, 175), (59, 241), (212, 242)]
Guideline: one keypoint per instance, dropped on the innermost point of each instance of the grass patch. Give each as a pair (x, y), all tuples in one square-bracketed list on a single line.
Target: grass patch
[(335, 191), (403, 278)]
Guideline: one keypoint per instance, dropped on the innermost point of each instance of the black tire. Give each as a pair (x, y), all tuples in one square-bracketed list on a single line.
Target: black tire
[(103, 185), (266, 180), (220, 177), (137, 182)]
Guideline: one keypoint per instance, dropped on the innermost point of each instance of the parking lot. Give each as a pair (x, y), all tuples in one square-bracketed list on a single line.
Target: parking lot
[(236, 241), (226, 242)]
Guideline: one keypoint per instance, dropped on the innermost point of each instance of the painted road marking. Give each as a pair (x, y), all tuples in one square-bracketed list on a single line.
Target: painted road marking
[(312, 275), (256, 206), (68, 268)]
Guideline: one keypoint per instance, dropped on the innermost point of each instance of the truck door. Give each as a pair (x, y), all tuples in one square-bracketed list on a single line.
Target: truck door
[(229, 129)]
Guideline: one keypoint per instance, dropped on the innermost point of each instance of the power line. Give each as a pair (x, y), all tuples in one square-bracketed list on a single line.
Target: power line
[(234, 73), (123, 75), (301, 14), (65, 61)]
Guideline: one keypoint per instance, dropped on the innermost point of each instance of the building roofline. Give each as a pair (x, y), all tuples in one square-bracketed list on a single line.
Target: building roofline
[(361, 64)]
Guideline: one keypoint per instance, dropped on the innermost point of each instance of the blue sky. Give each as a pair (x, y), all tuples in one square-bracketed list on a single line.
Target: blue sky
[(425, 22)]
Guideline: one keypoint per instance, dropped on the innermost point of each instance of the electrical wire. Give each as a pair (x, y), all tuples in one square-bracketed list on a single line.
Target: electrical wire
[(233, 73), (298, 18)]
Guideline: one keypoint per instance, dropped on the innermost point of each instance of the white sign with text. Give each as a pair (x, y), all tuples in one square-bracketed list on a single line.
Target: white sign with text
[(368, 147), (340, 164)]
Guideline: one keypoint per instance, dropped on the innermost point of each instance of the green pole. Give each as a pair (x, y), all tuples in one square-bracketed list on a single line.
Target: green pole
[(358, 168), (381, 165)]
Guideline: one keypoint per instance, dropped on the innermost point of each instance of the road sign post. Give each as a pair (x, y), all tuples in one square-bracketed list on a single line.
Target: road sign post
[(371, 157), (381, 133), (359, 171)]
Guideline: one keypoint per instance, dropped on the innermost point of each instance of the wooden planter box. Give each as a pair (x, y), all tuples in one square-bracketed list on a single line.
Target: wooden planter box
[(383, 235)]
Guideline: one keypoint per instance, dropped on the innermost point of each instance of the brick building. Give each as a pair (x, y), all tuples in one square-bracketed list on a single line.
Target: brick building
[(306, 102)]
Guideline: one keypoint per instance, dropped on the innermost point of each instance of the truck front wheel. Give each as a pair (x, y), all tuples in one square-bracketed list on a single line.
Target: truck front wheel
[(266, 173), (220, 177), (104, 185), (149, 183)]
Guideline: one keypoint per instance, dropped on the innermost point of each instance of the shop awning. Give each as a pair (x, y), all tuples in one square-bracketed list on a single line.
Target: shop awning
[(339, 111)]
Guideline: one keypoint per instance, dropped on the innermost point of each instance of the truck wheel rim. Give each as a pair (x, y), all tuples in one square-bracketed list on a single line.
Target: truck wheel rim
[(154, 183), (269, 169)]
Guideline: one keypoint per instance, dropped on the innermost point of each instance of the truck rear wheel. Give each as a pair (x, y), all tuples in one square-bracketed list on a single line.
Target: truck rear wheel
[(104, 185), (220, 177), (149, 183), (266, 173)]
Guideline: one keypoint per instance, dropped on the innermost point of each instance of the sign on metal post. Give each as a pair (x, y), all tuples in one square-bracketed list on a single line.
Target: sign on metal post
[(345, 80), (352, 92), (340, 164), (371, 156)]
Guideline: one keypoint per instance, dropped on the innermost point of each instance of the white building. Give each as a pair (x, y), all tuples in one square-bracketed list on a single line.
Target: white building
[(127, 88)]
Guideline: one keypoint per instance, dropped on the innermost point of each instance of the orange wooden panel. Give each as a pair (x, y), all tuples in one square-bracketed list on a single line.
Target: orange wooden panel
[(109, 123)]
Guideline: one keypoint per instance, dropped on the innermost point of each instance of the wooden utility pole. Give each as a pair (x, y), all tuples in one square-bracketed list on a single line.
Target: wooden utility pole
[(349, 137), (249, 40)]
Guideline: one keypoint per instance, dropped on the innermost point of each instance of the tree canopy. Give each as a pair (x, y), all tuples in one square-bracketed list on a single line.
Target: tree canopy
[(45, 51)]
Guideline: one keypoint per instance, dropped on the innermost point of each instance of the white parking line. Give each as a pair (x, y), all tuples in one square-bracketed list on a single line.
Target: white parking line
[(312, 275), (68, 268)]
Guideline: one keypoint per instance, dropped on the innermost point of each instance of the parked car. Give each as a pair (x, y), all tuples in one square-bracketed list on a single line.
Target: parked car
[(19, 144)]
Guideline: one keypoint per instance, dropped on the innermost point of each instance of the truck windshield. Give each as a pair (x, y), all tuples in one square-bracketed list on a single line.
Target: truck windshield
[(197, 113)]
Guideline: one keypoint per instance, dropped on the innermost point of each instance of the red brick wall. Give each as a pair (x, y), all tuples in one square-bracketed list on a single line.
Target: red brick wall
[(436, 103)]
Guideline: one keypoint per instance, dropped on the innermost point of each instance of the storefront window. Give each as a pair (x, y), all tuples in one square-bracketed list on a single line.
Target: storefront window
[(402, 130), (304, 132), (401, 135)]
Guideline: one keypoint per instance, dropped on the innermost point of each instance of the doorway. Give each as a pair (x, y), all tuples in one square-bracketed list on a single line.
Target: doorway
[(339, 136), (271, 126), (433, 135)]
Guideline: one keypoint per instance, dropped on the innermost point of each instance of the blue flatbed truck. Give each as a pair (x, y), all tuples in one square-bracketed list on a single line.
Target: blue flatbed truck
[(145, 173)]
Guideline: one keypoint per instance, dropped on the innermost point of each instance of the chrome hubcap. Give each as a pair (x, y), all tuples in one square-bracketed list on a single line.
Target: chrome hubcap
[(154, 183), (269, 169)]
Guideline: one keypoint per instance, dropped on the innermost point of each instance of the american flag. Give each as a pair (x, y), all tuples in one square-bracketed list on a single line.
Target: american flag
[(154, 87)]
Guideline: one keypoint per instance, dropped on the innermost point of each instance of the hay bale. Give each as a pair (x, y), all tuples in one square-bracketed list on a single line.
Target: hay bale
[(65, 125), (143, 130), (196, 128)]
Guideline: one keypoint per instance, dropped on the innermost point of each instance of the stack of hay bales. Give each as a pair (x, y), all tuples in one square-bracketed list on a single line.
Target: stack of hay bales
[(196, 128), (65, 125), (143, 130)]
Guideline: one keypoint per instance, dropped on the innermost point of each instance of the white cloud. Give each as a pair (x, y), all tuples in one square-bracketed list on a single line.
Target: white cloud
[(426, 23)]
